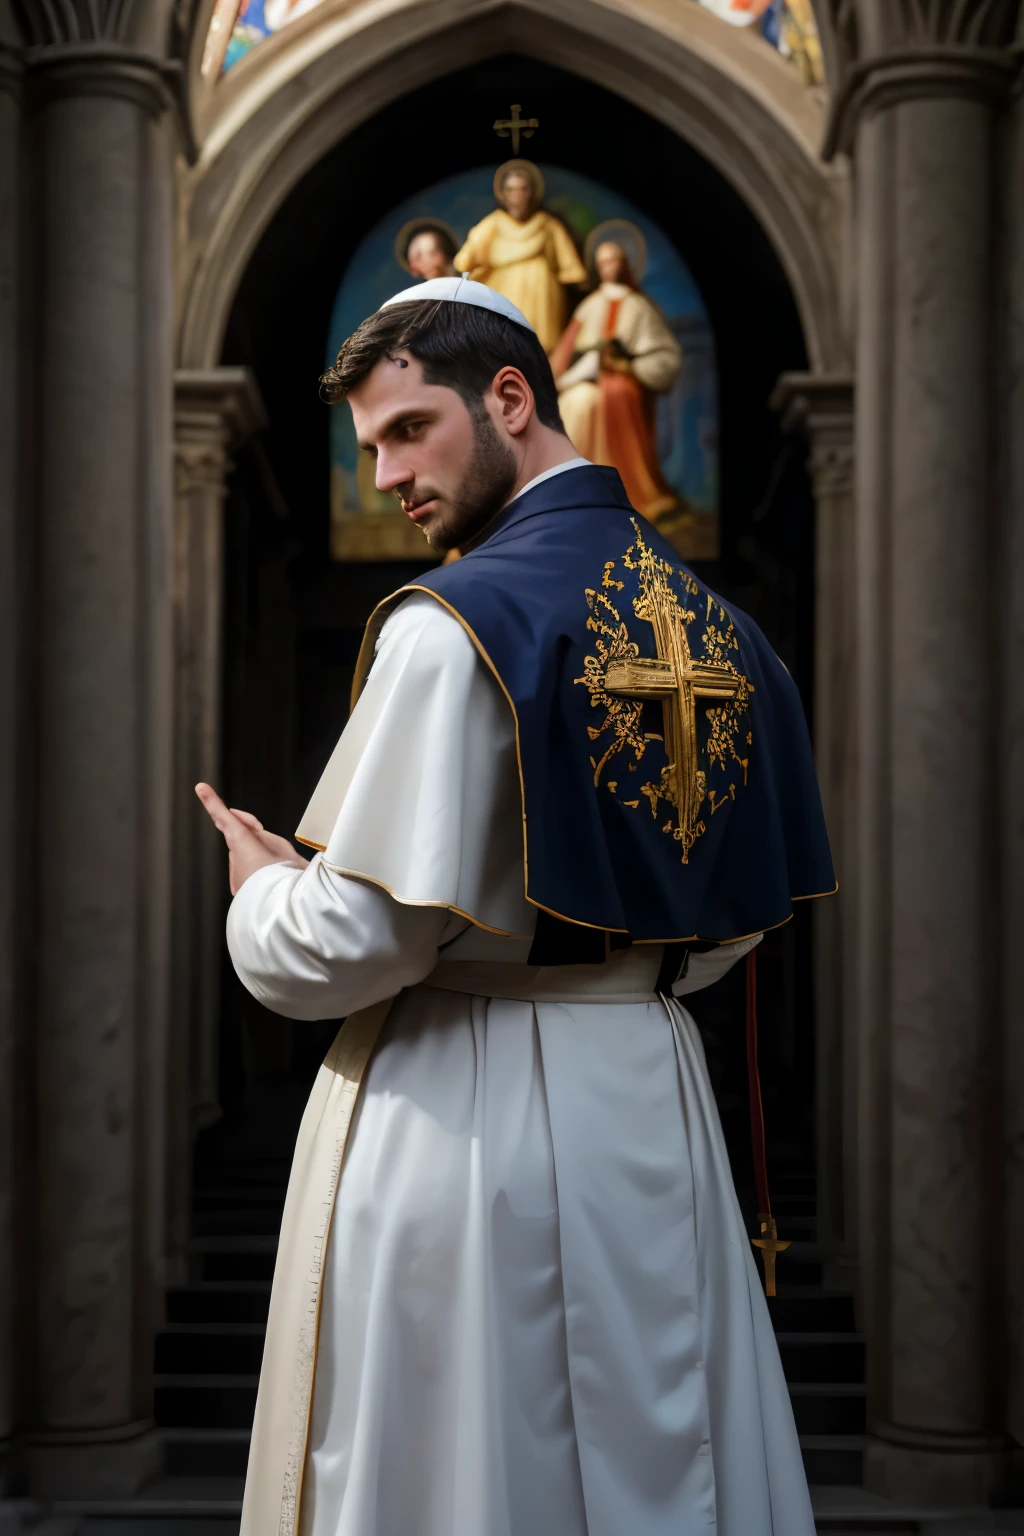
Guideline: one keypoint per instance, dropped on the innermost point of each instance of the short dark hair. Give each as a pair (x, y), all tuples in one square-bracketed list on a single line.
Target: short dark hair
[(460, 346)]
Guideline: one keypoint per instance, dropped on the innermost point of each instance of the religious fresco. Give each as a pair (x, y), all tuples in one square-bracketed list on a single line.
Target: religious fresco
[(789, 25), (240, 25), (643, 298)]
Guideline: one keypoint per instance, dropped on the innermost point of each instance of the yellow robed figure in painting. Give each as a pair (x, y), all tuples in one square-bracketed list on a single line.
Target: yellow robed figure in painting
[(524, 252)]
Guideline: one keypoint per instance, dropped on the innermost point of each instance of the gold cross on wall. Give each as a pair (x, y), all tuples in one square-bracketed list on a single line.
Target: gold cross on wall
[(516, 126), (679, 682)]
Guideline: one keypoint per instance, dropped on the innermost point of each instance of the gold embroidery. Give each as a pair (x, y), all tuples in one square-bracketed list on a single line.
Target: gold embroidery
[(620, 681)]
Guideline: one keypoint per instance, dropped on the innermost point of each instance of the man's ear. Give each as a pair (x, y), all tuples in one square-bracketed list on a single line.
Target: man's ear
[(514, 399)]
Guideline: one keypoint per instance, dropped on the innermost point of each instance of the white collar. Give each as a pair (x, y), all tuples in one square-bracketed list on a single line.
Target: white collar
[(559, 469)]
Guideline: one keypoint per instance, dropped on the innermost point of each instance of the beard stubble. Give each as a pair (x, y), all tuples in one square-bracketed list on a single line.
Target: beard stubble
[(483, 490)]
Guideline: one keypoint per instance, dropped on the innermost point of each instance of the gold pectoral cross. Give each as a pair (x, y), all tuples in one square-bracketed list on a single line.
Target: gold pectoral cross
[(516, 125), (679, 681), (770, 1245)]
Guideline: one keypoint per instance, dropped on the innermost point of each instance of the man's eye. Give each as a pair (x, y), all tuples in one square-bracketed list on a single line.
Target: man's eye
[(412, 429)]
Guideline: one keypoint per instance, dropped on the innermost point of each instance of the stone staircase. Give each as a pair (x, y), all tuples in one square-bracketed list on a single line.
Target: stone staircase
[(822, 1354), (208, 1358)]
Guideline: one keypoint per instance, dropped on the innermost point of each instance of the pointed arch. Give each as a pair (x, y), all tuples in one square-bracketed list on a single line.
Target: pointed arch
[(722, 89)]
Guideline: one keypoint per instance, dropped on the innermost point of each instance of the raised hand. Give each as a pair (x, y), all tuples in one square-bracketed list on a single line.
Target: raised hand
[(250, 846)]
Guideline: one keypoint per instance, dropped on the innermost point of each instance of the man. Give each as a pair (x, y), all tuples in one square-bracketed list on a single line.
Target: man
[(616, 356), (514, 1296), (523, 252)]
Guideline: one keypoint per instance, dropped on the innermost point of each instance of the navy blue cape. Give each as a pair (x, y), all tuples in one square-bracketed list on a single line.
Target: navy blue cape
[(553, 593)]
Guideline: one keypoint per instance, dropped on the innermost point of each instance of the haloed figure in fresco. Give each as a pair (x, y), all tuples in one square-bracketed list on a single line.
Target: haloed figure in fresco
[(512, 1147), (426, 248), (522, 251), (617, 354)]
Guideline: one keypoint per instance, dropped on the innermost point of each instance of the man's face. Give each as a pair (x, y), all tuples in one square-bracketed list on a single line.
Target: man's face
[(427, 257), (450, 472), (517, 195), (610, 261)]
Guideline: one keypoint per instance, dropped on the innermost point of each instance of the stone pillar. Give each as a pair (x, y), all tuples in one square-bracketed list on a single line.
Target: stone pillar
[(919, 113), (1009, 601), (102, 322), (14, 779), (820, 406), (215, 411)]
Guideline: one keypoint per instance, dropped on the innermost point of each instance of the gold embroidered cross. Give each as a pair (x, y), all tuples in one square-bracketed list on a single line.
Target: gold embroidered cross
[(679, 681), (516, 125)]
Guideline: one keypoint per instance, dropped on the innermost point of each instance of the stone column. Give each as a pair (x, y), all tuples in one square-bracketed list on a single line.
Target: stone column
[(820, 406), (919, 113), (1009, 600), (101, 326), (14, 779), (215, 411)]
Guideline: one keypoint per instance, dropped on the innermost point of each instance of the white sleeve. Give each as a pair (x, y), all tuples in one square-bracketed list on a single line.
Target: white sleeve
[(429, 832), (421, 794), (706, 967), (312, 944)]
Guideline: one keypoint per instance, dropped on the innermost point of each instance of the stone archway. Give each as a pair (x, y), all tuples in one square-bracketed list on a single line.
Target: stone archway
[(726, 93), (731, 97), (923, 102)]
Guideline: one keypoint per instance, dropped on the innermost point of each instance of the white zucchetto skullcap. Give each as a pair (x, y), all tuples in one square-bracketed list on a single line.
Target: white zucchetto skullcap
[(460, 290)]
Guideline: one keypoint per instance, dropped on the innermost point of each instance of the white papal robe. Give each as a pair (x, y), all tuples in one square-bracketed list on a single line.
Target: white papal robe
[(540, 1311)]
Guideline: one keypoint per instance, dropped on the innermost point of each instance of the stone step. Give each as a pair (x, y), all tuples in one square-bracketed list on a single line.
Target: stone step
[(220, 1301), (202, 1401), (235, 1257), (828, 1408), (833, 1460), (205, 1452), (807, 1308), (251, 1221), (231, 1196), (821, 1357), (200, 1349)]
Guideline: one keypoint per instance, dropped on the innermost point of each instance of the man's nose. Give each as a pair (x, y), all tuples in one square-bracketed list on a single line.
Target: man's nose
[(392, 471)]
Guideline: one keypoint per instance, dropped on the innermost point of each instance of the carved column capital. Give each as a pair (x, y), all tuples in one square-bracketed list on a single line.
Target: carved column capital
[(200, 465), (83, 48), (915, 49), (820, 406), (215, 410), (913, 74), (100, 69)]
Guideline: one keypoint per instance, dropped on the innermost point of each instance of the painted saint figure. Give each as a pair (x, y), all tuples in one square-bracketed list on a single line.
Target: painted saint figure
[(513, 1291), (615, 357), (426, 248), (524, 252)]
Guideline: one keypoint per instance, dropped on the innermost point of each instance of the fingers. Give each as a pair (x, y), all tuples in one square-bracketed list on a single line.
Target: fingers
[(218, 812), (247, 819)]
